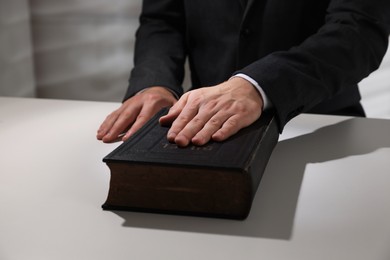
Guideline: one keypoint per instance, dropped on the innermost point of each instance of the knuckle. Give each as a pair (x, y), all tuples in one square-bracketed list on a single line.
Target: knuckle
[(240, 108), (172, 109), (215, 122), (211, 104), (183, 118), (126, 114), (141, 117), (192, 106), (197, 121), (112, 115), (195, 100), (231, 123)]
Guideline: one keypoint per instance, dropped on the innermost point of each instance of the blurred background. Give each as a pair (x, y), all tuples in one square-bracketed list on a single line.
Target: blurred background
[(83, 49), (73, 49)]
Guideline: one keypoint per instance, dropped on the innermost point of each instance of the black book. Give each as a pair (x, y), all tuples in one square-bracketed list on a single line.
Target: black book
[(219, 179)]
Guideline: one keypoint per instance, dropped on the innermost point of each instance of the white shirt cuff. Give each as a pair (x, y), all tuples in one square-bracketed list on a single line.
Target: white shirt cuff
[(266, 102)]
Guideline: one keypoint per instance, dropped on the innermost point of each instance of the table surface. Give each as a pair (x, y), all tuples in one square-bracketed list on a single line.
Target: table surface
[(325, 193)]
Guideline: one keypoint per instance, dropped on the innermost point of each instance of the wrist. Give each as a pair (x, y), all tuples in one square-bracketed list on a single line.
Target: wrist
[(163, 91), (245, 85)]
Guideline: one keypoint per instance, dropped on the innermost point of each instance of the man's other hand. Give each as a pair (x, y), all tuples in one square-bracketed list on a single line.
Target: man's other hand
[(134, 113)]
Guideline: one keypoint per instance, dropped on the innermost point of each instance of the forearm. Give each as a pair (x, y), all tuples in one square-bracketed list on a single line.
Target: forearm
[(159, 53)]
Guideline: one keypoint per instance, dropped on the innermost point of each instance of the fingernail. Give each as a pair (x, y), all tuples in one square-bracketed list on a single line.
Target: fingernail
[(182, 142), (198, 140), (106, 138), (126, 136), (171, 136)]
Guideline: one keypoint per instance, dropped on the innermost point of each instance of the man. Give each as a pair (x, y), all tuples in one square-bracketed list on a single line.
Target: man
[(246, 56)]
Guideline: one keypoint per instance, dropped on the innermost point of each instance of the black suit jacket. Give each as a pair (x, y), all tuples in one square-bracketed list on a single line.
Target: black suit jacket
[(307, 55)]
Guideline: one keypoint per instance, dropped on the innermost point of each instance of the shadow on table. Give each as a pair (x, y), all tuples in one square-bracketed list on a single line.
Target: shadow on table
[(274, 207)]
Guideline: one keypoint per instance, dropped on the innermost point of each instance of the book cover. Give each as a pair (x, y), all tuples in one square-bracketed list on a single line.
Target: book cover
[(219, 179)]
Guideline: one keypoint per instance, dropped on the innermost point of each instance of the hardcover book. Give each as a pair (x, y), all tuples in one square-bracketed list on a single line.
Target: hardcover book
[(219, 179)]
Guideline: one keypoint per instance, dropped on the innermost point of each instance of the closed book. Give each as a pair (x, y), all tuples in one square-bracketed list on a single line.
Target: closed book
[(219, 179)]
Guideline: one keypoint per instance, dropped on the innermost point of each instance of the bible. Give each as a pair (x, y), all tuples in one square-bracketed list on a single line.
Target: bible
[(219, 179)]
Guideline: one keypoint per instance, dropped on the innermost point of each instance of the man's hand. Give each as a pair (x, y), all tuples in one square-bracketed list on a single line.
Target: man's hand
[(214, 113), (134, 113)]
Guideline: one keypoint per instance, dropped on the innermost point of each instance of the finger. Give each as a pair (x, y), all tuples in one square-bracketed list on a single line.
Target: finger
[(174, 111), (192, 129), (232, 125), (212, 126), (124, 120), (176, 133), (107, 124), (185, 116), (146, 113)]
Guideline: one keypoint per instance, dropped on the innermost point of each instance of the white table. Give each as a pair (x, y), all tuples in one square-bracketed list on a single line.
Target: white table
[(325, 194)]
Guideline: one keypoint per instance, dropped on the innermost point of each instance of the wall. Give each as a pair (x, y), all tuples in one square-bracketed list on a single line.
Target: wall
[(16, 63), (83, 49)]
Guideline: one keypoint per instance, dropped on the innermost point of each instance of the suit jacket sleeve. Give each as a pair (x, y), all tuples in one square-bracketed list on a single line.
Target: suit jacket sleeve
[(159, 53), (350, 45)]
